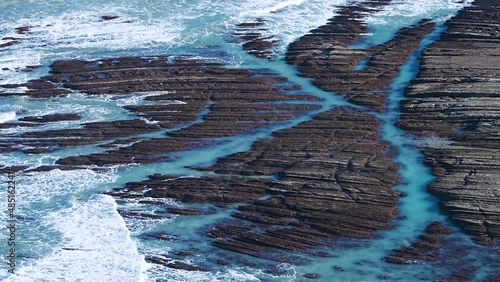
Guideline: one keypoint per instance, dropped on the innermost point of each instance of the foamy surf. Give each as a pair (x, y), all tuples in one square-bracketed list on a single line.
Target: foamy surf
[(7, 116), (411, 11), (96, 246), (274, 8), (385, 23), (43, 187), (79, 34), (231, 275), (289, 20)]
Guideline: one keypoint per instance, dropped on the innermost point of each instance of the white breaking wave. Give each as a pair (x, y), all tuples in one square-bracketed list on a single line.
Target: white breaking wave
[(79, 34), (9, 112), (289, 20), (277, 7), (408, 11), (7, 116), (96, 247), (42, 187)]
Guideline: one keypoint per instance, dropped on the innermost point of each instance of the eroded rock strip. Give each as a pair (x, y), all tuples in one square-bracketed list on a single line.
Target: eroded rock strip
[(39, 88), (325, 56), (253, 39), (455, 101), (199, 100), (332, 179), (424, 249)]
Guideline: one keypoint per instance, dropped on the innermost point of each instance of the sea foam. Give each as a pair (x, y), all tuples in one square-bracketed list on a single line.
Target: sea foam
[(289, 20), (96, 246)]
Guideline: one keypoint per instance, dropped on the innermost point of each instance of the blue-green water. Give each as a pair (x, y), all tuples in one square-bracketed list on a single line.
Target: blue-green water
[(63, 209)]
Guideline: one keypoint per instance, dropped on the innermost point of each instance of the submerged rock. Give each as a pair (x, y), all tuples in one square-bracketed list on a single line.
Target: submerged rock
[(162, 236), (184, 211), (312, 276), (108, 18), (424, 249), (185, 266)]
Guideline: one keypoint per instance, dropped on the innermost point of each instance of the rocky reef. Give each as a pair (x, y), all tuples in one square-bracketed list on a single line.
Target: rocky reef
[(361, 75), (326, 178), (195, 100), (452, 108), (424, 249), (254, 41)]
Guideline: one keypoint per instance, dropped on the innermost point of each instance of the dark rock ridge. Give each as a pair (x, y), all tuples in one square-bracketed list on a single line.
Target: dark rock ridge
[(213, 101), (208, 100), (12, 169), (424, 249), (91, 133), (168, 262), (334, 180), (254, 42), (196, 190), (454, 106), (324, 55), (23, 29), (39, 88), (7, 44), (52, 118), (183, 211), (108, 18)]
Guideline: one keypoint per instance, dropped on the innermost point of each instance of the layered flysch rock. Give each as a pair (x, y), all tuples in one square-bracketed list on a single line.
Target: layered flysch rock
[(455, 103), (39, 88), (362, 75), (253, 39), (196, 100), (326, 178), (424, 249)]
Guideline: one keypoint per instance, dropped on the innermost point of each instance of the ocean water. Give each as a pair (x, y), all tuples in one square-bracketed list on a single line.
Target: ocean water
[(69, 231)]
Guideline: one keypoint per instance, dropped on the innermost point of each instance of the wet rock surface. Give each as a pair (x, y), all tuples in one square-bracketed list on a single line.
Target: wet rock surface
[(253, 39), (325, 56), (424, 249), (109, 17), (452, 107), (328, 178), (199, 100), (39, 88), (184, 211), (204, 103), (168, 262), (23, 29), (51, 118), (332, 179)]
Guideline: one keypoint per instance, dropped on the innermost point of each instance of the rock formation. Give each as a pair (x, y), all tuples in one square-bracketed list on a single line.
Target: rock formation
[(325, 56), (332, 179), (452, 107), (253, 39)]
